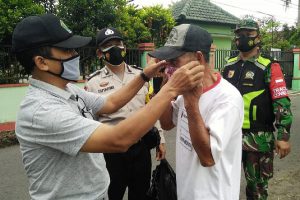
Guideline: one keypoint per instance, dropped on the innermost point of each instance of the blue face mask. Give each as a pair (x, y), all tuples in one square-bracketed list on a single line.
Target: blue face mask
[(70, 68)]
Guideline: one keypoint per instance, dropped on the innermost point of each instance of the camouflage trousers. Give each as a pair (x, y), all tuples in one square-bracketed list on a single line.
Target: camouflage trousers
[(258, 169)]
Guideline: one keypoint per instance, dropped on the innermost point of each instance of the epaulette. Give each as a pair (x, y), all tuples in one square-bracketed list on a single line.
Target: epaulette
[(93, 74), (136, 67), (265, 61), (231, 60), (268, 56)]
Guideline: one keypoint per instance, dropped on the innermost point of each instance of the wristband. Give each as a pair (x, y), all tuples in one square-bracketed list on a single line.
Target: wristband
[(144, 77)]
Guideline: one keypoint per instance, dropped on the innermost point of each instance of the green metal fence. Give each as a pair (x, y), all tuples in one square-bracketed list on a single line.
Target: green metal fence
[(12, 72)]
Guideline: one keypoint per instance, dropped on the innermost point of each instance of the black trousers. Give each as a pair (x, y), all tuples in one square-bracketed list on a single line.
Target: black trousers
[(131, 169)]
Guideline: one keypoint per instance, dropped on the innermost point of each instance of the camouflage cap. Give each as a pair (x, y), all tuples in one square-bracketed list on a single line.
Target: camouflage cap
[(248, 24)]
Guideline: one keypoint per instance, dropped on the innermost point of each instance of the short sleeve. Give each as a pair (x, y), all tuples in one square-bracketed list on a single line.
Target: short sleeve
[(59, 127), (224, 122), (94, 101), (175, 105), (277, 83)]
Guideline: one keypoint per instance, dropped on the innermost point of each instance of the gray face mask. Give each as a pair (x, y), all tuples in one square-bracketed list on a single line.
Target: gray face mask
[(70, 68)]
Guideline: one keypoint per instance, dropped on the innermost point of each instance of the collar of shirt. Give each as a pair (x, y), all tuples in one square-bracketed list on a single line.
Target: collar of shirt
[(108, 72), (53, 90), (253, 59)]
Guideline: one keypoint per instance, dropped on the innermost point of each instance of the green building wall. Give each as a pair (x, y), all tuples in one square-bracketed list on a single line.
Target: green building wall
[(222, 34), (296, 75), (11, 98)]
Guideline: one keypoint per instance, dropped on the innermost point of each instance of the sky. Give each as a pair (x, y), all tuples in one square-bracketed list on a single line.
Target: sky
[(240, 8)]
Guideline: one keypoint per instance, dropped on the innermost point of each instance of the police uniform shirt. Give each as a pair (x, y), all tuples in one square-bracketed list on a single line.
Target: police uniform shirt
[(105, 82)]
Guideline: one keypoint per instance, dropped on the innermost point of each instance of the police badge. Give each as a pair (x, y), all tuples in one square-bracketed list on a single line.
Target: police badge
[(249, 75), (230, 73)]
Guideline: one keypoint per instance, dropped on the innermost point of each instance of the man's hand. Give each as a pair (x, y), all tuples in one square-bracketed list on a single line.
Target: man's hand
[(161, 152), (186, 77), (153, 67), (283, 148), (191, 98)]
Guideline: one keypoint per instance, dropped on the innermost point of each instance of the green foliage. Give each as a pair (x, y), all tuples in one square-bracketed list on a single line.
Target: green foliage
[(148, 24), (49, 5), (11, 12), (295, 38), (131, 26), (84, 17), (159, 21)]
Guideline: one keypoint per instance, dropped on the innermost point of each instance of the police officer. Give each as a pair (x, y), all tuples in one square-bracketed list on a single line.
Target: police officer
[(133, 168), (261, 83)]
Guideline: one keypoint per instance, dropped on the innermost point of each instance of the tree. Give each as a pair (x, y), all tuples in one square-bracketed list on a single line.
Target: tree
[(11, 12), (49, 5), (131, 26), (272, 35), (147, 24), (86, 16), (159, 21)]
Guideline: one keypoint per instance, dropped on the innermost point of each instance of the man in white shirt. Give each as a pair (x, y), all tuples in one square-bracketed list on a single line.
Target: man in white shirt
[(208, 119)]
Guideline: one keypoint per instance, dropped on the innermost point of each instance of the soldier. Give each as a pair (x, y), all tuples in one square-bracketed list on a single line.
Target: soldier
[(261, 82), (131, 169)]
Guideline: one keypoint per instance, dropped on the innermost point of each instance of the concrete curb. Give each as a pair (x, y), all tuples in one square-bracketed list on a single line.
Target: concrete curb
[(293, 93)]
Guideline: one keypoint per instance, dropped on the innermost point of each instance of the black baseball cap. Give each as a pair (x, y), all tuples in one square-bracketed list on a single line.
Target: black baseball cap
[(184, 38), (45, 30), (106, 34)]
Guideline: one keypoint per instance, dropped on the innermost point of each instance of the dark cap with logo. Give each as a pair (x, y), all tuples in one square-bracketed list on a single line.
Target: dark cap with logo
[(106, 34), (184, 38), (45, 30)]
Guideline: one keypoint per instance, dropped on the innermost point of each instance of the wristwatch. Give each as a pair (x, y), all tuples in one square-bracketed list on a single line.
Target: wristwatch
[(144, 77)]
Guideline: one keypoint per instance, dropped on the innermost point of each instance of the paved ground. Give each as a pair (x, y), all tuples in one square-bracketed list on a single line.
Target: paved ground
[(284, 186)]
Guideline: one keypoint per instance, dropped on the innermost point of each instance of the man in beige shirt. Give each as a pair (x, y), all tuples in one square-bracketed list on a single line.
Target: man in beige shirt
[(131, 169)]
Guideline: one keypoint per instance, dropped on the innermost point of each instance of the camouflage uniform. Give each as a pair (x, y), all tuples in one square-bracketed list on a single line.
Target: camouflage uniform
[(265, 103)]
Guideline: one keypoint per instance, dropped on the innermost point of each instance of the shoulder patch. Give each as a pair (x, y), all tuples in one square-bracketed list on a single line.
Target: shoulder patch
[(136, 67), (92, 75), (232, 59), (263, 61)]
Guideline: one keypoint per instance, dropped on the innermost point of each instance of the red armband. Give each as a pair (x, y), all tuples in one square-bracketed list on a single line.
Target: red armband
[(277, 85)]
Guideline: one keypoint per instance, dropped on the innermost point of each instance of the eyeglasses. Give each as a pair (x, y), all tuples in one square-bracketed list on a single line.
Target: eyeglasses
[(84, 111)]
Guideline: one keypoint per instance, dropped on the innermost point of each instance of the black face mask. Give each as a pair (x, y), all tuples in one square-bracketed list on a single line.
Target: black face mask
[(246, 43), (114, 55)]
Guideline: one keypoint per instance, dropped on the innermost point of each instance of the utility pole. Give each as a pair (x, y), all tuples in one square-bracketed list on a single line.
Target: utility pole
[(298, 20), (272, 30)]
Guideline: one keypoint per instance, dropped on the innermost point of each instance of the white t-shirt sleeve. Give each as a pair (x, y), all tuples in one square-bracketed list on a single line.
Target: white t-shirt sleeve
[(223, 123), (175, 105)]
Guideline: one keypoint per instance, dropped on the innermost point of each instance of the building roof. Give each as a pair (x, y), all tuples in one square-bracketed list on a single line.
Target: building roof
[(202, 11)]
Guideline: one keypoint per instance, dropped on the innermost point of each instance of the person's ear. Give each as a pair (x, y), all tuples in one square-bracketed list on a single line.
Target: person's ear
[(41, 63), (200, 57), (99, 53)]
